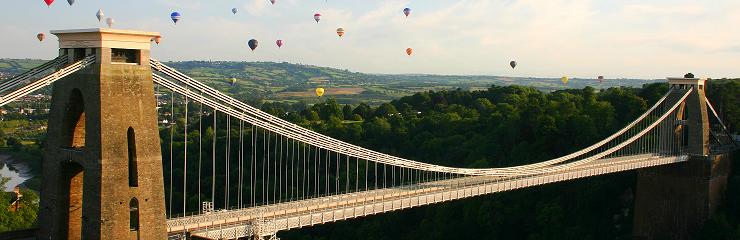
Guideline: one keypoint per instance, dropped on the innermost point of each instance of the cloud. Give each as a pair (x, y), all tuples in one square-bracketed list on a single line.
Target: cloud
[(256, 7)]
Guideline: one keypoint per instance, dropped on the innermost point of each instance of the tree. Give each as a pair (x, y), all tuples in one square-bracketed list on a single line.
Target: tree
[(27, 213), (15, 143), (385, 110), (363, 110), (347, 111)]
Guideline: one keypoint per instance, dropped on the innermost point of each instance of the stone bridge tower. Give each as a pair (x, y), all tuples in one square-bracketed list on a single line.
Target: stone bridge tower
[(102, 171), (674, 201)]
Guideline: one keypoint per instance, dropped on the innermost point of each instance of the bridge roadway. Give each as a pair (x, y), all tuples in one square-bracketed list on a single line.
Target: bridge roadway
[(268, 219)]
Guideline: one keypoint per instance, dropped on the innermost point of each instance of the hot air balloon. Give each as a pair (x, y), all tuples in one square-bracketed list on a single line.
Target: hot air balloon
[(279, 43), (48, 2), (512, 64), (317, 17), (233, 81), (407, 11), (319, 92), (100, 15), (71, 2), (253, 44), (157, 39), (601, 79), (340, 32), (409, 51), (564, 79), (110, 22), (234, 10), (272, 1), (41, 37), (175, 16)]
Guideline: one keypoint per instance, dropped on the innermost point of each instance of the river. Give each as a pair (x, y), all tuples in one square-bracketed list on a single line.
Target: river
[(16, 171)]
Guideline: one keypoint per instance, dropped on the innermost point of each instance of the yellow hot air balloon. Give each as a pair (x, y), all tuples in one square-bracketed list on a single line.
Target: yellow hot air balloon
[(319, 92), (564, 79)]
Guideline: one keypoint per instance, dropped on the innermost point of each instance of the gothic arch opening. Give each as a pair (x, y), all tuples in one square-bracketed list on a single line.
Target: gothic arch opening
[(133, 220), (74, 122), (133, 179), (73, 175)]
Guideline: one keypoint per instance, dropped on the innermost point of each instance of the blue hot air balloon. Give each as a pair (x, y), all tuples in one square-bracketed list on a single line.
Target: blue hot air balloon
[(175, 16)]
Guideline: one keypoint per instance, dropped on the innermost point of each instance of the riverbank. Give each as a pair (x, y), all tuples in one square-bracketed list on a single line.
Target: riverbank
[(25, 162)]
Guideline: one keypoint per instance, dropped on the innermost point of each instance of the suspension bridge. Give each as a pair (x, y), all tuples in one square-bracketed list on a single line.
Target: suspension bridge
[(109, 169)]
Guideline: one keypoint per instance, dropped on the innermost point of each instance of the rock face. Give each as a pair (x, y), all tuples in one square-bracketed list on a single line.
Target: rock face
[(103, 164)]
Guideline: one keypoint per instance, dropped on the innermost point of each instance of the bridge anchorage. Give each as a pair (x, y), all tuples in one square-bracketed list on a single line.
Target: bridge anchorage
[(107, 174)]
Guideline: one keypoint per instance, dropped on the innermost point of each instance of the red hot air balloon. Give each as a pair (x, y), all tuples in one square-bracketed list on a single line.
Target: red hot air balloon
[(317, 17), (409, 51), (157, 39), (48, 2), (279, 43)]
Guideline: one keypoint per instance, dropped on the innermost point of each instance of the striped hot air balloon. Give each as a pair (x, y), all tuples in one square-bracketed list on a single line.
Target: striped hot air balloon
[(175, 16)]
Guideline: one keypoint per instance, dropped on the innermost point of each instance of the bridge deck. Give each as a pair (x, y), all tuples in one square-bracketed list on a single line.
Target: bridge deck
[(297, 214)]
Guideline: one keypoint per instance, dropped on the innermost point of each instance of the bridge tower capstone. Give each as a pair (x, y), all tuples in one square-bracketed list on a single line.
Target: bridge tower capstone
[(674, 201), (102, 171)]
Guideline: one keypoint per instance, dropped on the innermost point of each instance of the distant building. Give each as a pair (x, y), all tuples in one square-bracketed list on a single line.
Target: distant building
[(27, 111), (15, 202)]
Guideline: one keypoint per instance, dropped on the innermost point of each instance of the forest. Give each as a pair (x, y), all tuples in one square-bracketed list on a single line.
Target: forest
[(496, 127)]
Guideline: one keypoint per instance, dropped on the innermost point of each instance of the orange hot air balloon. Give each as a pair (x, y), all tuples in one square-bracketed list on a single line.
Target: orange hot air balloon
[(41, 37), (340, 32), (409, 51), (157, 39)]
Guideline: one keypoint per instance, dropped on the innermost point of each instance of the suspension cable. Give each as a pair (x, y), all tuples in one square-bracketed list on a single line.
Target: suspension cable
[(213, 160), (172, 133), (200, 152), (185, 167)]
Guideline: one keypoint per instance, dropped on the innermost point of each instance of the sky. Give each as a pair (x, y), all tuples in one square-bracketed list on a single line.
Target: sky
[(650, 39)]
